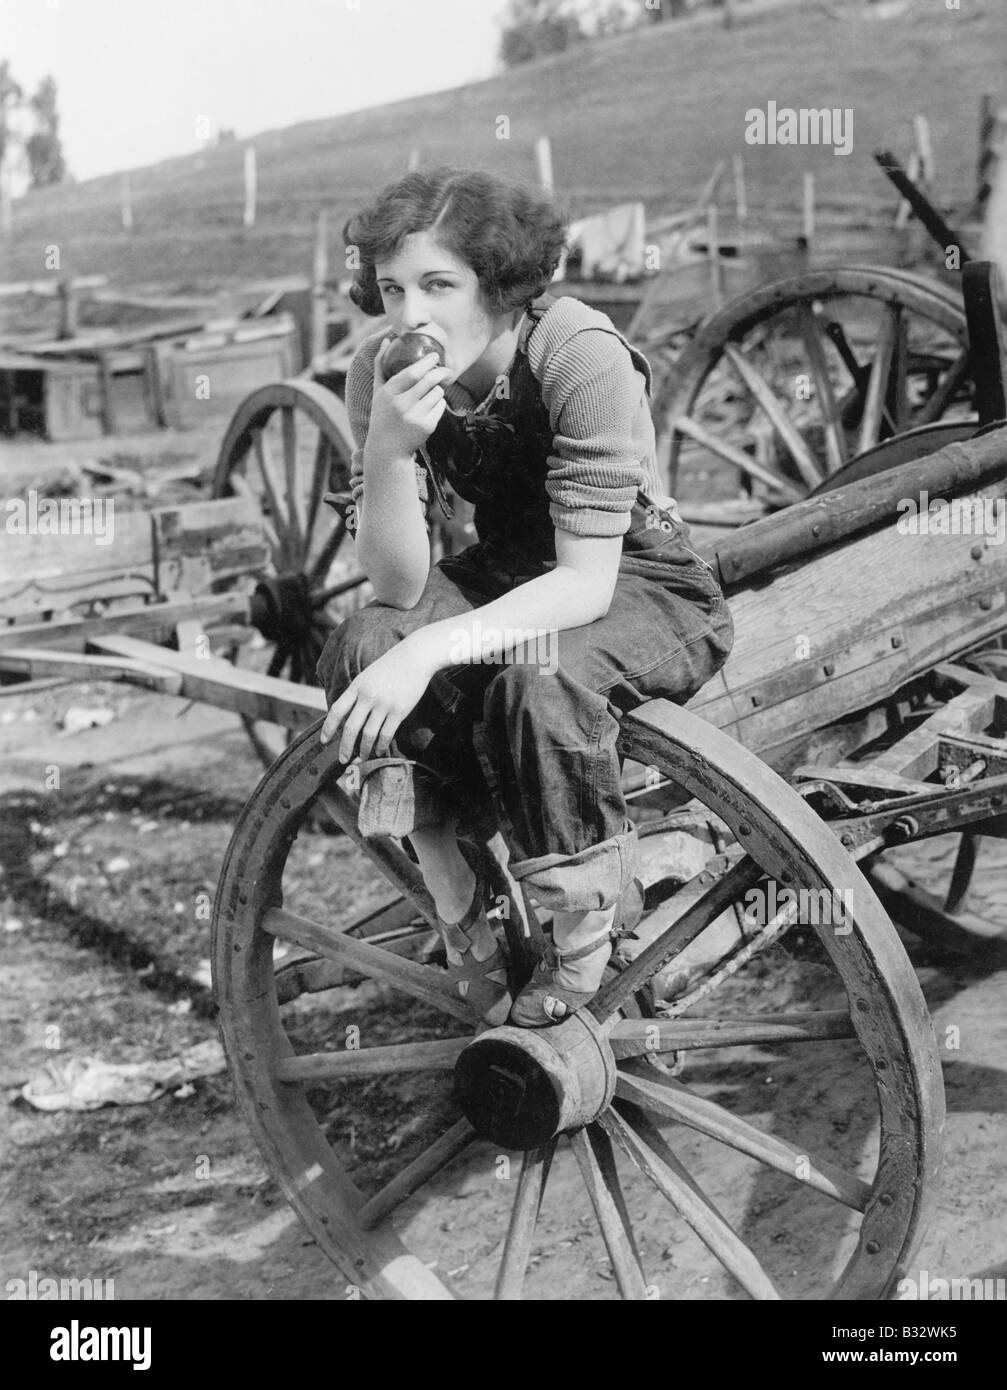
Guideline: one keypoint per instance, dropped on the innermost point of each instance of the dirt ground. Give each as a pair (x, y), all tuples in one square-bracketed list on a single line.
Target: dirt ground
[(104, 948)]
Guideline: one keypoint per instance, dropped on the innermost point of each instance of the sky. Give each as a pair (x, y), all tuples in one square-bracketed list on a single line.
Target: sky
[(138, 80)]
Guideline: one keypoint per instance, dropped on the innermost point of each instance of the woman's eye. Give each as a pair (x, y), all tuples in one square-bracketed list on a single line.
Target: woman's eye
[(390, 290), (441, 284)]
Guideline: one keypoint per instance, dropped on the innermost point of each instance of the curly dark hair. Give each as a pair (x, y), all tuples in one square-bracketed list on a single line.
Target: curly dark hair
[(511, 237)]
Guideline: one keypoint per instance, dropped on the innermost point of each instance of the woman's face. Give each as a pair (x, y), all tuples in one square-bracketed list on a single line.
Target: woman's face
[(426, 289)]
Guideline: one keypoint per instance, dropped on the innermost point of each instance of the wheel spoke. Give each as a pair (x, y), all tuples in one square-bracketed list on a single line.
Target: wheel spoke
[(241, 485), (439, 1055), (319, 485), (961, 874), (324, 596), (666, 1173), (877, 382), (292, 474), (418, 1173), (397, 866), (272, 487), (319, 569), (421, 981), (950, 382), (776, 412), (524, 1215), (593, 1150), (706, 906), (897, 396), (279, 659), (738, 458), (835, 441), (639, 1037), (668, 1097)]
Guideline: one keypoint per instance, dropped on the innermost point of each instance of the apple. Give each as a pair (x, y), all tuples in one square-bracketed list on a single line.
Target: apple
[(408, 349)]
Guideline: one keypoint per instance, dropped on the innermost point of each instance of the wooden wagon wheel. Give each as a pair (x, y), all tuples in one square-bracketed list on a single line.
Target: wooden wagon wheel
[(287, 445), (598, 1079), (784, 387)]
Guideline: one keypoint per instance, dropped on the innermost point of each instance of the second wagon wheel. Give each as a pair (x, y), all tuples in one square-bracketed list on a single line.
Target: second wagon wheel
[(287, 445), (587, 1163), (787, 385)]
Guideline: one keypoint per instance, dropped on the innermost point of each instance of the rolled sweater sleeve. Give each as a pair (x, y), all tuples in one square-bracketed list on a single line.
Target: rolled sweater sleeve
[(599, 414), (359, 391)]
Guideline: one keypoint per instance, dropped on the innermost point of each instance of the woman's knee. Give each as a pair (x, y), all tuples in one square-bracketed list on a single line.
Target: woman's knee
[(357, 642)]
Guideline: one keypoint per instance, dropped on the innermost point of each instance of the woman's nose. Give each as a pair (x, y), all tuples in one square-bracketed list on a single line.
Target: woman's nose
[(414, 311)]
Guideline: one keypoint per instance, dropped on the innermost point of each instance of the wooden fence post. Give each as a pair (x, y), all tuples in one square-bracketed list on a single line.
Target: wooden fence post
[(809, 208), (713, 254), (740, 201), (68, 301), (127, 204), (250, 186), (543, 158), (319, 292)]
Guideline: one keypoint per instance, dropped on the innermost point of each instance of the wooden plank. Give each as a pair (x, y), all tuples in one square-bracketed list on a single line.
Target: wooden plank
[(37, 663), (848, 628), (217, 682), (866, 774), (155, 621), (821, 521), (199, 544), (67, 551)]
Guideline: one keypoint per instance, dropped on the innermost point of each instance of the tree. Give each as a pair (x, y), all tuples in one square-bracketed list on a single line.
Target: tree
[(44, 147), (535, 28)]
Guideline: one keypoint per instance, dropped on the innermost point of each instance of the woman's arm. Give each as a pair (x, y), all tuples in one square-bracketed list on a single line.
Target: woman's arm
[(390, 421), (578, 591)]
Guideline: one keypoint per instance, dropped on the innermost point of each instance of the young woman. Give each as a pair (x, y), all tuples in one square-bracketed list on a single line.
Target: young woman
[(540, 417)]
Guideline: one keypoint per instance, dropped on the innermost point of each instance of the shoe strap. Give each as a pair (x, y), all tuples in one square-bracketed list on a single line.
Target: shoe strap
[(555, 956), (456, 934)]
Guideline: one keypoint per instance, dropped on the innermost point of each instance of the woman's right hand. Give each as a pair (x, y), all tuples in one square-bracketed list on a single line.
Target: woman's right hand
[(405, 409)]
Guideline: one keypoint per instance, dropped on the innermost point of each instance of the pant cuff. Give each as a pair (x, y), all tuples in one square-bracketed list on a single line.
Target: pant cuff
[(594, 878)]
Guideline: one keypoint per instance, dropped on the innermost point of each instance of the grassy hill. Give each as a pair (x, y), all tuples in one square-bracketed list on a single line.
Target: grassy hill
[(644, 114)]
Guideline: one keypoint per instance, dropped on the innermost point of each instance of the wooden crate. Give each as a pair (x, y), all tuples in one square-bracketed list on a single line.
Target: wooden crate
[(212, 373)]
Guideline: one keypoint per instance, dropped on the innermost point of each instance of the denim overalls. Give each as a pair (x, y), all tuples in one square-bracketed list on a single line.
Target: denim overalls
[(531, 745)]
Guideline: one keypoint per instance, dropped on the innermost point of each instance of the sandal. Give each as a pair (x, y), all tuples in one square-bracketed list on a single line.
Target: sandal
[(544, 1001), (483, 984)]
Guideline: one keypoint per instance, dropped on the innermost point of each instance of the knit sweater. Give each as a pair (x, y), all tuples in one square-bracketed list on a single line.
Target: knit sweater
[(596, 390)]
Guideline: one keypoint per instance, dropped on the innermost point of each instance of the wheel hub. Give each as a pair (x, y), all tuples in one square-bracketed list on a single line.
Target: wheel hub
[(281, 606), (519, 1087)]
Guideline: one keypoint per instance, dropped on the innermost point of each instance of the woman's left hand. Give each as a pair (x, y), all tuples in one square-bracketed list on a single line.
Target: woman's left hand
[(374, 704)]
